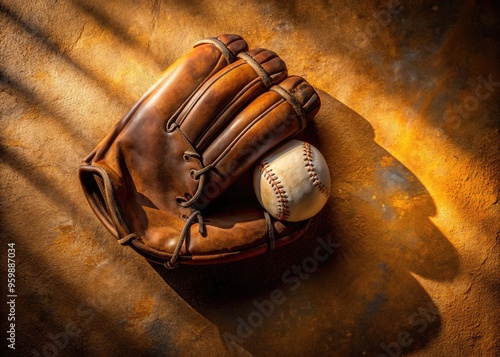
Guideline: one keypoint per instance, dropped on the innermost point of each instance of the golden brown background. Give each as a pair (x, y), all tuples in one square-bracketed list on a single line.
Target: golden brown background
[(409, 127)]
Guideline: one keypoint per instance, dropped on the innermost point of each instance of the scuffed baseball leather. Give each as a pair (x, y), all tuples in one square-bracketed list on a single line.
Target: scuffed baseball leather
[(171, 179)]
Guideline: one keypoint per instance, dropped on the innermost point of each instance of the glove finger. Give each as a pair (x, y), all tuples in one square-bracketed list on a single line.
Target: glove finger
[(269, 120), (223, 95), (178, 83), (181, 80)]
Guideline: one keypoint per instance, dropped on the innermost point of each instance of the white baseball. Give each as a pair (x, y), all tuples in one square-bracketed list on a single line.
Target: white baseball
[(292, 183)]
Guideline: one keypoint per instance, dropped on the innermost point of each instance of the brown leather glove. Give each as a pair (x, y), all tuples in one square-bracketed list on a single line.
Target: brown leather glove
[(170, 180)]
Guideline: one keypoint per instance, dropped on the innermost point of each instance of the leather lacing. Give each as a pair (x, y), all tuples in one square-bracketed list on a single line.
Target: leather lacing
[(110, 204), (200, 174), (196, 215), (196, 175)]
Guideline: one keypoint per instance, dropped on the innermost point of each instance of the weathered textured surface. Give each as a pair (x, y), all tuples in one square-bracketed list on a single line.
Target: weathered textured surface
[(409, 127)]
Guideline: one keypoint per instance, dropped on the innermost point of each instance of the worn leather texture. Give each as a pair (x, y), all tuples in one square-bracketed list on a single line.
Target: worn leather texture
[(173, 177)]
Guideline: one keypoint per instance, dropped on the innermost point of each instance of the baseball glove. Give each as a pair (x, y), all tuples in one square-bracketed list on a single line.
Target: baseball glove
[(171, 179)]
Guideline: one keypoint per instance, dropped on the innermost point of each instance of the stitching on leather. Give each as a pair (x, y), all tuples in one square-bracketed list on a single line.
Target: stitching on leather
[(245, 131), (216, 118), (264, 76), (179, 110), (312, 172), (294, 102), (314, 98), (199, 95), (220, 45), (269, 59), (279, 190)]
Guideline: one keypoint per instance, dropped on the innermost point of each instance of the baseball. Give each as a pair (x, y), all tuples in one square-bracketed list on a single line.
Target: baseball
[(292, 183)]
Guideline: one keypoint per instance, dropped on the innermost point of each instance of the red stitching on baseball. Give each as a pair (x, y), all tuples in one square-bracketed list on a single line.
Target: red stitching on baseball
[(312, 172), (281, 197)]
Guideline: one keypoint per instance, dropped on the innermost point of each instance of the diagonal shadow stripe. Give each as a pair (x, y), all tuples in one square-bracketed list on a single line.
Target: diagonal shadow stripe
[(59, 306), (44, 39), (118, 29), (39, 180), (32, 99)]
